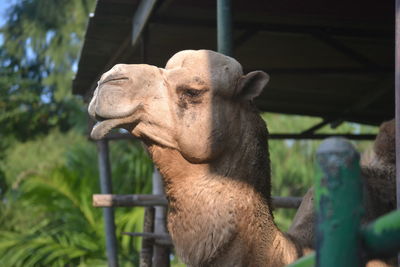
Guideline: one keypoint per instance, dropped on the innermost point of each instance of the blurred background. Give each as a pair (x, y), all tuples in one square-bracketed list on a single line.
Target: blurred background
[(48, 165)]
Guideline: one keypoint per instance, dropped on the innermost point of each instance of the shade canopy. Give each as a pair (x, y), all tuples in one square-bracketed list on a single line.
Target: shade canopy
[(332, 59)]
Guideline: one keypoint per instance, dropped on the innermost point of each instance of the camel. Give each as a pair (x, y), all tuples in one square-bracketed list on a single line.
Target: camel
[(379, 172), (198, 122), (197, 119)]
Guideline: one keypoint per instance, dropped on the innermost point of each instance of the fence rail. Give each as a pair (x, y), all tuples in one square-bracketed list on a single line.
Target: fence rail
[(110, 200)]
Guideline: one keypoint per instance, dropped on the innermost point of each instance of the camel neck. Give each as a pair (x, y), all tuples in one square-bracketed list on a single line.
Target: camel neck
[(224, 205), (204, 203), (244, 159)]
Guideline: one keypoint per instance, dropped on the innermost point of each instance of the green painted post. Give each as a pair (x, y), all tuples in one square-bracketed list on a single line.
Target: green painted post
[(305, 261), (381, 238), (338, 199)]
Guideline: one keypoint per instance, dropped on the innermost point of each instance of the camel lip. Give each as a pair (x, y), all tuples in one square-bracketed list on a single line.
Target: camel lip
[(105, 125), (102, 128)]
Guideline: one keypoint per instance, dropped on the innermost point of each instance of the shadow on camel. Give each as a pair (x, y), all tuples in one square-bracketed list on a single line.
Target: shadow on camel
[(198, 122)]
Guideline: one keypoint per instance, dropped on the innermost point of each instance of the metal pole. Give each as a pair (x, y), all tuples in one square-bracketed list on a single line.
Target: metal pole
[(146, 254), (106, 188), (161, 253), (397, 89), (397, 109), (338, 200), (224, 27), (141, 18)]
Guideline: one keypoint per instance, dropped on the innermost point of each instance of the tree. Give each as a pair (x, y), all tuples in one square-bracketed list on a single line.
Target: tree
[(39, 47), (41, 44)]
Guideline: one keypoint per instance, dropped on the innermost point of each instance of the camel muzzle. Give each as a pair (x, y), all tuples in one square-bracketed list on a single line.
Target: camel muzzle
[(120, 94), (113, 104)]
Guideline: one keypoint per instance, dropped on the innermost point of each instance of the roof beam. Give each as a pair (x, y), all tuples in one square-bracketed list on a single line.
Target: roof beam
[(368, 99), (371, 97), (281, 28), (139, 21), (345, 50), (272, 136), (244, 37), (316, 127), (335, 70), (141, 18), (321, 136)]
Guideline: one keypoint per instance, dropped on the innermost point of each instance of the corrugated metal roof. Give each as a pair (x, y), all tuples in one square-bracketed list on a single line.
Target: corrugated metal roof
[(333, 59)]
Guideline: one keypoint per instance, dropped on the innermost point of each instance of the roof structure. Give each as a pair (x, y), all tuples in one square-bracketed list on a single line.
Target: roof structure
[(332, 59)]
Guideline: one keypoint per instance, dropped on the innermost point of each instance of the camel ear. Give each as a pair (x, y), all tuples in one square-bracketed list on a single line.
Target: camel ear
[(251, 85)]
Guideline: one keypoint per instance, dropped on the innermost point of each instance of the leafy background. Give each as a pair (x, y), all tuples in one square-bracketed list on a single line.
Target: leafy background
[(48, 168)]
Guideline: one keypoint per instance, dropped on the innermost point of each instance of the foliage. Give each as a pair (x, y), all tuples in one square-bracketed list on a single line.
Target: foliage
[(38, 154), (135, 174), (48, 218), (46, 215)]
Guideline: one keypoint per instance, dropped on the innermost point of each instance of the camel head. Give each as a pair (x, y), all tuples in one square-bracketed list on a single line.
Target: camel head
[(189, 105)]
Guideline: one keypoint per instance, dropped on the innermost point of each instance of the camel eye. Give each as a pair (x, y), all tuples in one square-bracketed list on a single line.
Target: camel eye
[(192, 92)]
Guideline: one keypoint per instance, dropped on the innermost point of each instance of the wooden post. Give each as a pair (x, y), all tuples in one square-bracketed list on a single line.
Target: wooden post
[(146, 254), (338, 199), (140, 200), (106, 188), (161, 253)]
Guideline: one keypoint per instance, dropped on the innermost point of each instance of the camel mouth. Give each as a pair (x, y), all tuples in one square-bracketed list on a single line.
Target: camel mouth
[(102, 128)]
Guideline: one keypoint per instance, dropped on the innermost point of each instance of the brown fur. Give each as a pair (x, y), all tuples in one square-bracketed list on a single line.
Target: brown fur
[(210, 145), (302, 227), (219, 214), (379, 172)]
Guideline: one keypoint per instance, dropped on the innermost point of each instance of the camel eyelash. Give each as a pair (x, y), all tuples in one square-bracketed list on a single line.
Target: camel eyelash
[(192, 92)]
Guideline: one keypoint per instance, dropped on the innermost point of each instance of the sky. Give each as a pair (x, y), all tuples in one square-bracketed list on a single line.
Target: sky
[(4, 4)]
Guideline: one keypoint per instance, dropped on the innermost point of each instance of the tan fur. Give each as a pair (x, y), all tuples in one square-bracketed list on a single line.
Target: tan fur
[(198, 122)]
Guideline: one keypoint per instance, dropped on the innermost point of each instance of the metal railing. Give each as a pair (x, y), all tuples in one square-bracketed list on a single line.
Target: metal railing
[(152, 238)]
